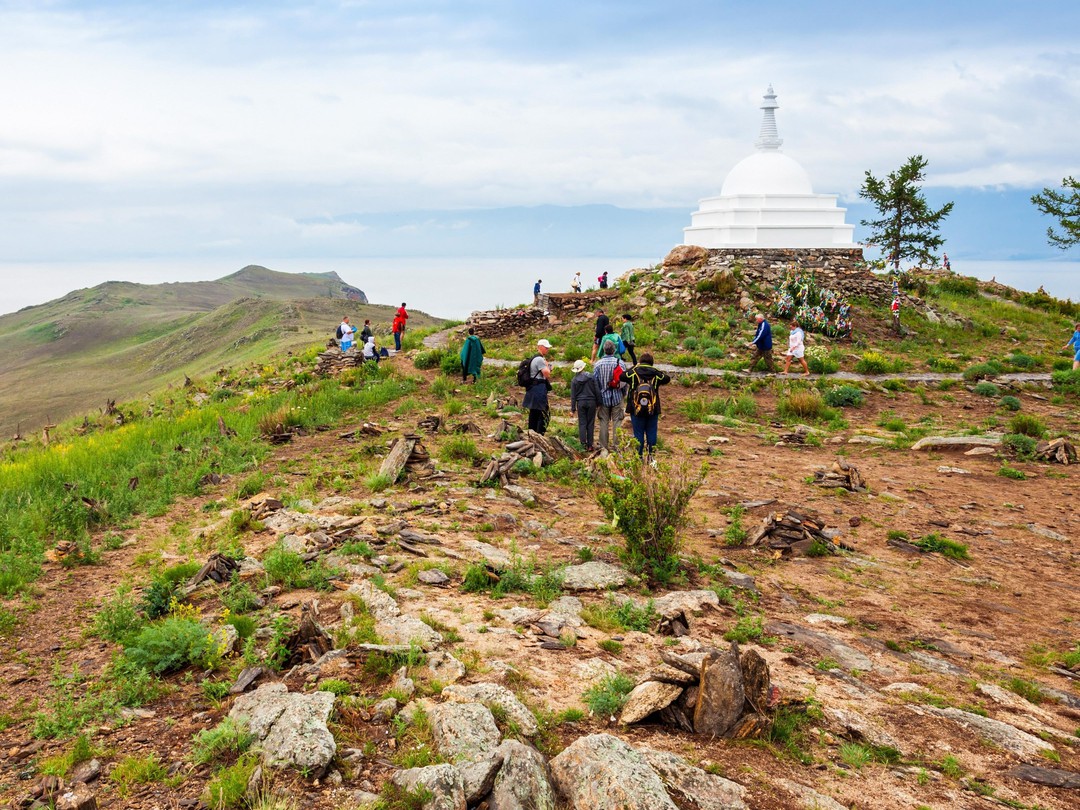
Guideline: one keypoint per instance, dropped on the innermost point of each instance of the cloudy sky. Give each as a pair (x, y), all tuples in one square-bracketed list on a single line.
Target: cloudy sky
[(255, 130)]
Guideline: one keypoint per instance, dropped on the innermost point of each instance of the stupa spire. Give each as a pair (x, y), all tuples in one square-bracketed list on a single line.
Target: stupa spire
[(768, 139)]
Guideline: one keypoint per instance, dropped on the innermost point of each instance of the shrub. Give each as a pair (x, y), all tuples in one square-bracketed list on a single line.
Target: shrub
[(648, 505), (877, 363), (802, 404), (1009, 403), (986, 389), (287, 568), (450, 364), (1066, 381), (228, 787), (1011, 472), (963, 286), (722, 284), (137, 770), (1027, 425), (606, 698), (226, 738), (821, 361), (843, 396), (429, 359), (1022, 361), (171, 644), (239, 597), (748, 628), (609, 616), (943, 365), (158, 597), (943, 546), (980, 371), (735, 534), (686, 360), (460, 448), (1023, 446), (118, 618)]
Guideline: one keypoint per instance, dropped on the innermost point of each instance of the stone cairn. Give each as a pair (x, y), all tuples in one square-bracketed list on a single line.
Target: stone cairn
[(333, 361), (549, 309), (536, 449), (719, 693), (794, 531), (1057, 451), (842, 475)]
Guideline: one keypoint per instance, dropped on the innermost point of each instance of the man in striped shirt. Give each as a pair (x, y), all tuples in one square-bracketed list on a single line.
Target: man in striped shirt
[(612, 407)]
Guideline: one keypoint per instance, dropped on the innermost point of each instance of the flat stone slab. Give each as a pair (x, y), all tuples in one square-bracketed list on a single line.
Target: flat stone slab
[(291, 726), (955, 442), (701, 790), (672, 604), (824, 618), (443, 782), (646, 698), (1000, 734), (826, 646), (464, 731), (601, 772), (492, 694), (496, 556)]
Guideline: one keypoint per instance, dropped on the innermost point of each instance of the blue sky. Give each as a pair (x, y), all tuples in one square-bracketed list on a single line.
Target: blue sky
[(263, 129)]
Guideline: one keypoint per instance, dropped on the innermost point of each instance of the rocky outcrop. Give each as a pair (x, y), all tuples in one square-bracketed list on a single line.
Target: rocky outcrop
[(601, 772), (442, 782), (493, 695), (464, 731), (522, 784)]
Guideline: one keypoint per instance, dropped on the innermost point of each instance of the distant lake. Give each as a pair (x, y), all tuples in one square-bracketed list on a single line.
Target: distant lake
[(449, 288)]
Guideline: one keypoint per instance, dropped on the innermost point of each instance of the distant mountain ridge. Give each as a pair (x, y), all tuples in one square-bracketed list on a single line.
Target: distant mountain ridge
[(121, 339)]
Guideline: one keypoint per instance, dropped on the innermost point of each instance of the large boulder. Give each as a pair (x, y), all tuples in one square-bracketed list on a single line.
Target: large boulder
[(492, 695), (291, 726), (594, 576), (682, 255), (522, 784), (646, 698), (700, 790), (463, 731), (601, 772)]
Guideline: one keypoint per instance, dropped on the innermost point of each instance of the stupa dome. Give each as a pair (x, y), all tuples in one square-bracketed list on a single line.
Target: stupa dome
[(767, 200), (767, 173)]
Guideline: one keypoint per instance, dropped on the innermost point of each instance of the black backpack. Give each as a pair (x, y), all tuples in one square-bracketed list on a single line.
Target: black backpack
[(644, 398), (524, 371), (337, 334)]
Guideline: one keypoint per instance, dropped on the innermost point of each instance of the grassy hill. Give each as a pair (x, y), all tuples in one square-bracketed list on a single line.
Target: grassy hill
[(120, 340)]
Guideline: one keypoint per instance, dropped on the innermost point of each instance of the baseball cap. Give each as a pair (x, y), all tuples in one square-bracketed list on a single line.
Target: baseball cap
[(543, 342)]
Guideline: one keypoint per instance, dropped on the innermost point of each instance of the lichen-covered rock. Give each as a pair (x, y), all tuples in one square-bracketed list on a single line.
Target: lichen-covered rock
[(701, 790), (522, 783), (291, 726), (379, 603), (1001, 734), (479, 776), (594, 576), (601, 772), (676, 602), (442, 667), (463, 731), (491, 695), (408, 630), (443, 782)]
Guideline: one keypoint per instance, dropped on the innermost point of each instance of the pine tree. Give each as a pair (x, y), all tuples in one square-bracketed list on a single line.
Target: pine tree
[(907, 227), (1065, 205)]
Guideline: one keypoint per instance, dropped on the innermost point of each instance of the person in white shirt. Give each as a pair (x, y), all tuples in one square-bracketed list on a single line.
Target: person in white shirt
[(347, 332), (370, 352), (796, 348)]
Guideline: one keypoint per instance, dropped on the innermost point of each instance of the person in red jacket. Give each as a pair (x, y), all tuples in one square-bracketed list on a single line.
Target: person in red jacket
[(398, 327)]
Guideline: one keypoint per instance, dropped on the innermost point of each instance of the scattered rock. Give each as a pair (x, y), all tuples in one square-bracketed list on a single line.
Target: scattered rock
[(522, 783), (1050, 777), (826, 646), (811, 799), (824, 618), (720, 700), (432, 576), (1049, 534), (685, 602), (955, 442), (953, 470), (479, 776), (379, 603), (384, 710), (87, 771), (443, 782), (1001, 734), (522, 494), (408, 630), (495, 556), (646, 698), (79, 797), (860, 728)]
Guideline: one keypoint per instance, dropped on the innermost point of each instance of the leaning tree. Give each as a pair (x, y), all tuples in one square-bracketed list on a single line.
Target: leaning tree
[(1065, 205), (906, 227)]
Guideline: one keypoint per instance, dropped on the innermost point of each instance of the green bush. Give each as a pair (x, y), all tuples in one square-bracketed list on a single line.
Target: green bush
[(1011, 472), (963, 286), (943, 546), (1019, 444), (1066, 381), (450, 364), (686, 360), (226, 738), (943, 365), (171, 644), (648, 505), (986, 389), (459, 448), (429, 359), (821, 361), (1009, 403), (1022, 361), (877, 363), (606, 698), (228, 787), (288, 569), (158, 596), (980, 371), (118, 618), (1028, 425), (843, 396)]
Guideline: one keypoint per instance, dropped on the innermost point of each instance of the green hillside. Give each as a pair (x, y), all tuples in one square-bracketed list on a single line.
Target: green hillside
[(120, 340)]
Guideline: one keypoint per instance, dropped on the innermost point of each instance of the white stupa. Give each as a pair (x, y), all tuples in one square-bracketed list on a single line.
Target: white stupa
[(767, 201)]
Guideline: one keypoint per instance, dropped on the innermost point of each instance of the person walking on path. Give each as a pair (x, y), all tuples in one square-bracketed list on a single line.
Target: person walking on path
[(472, 357), (366, 332), (536, 290), (796, 347), (599, 331), (345, 333), (1074, 342), (946, 263), (608, 371), (763, 343), (575, 282), (536, 393), (611, 336), (627, 335), (643, 402), (602, 278), (584, 400)]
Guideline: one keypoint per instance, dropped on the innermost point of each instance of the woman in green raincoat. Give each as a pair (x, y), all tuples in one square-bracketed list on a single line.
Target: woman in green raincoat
[(472, 356)]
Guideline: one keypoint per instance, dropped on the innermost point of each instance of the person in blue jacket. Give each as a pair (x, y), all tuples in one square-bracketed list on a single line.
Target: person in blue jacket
[(763, 343), (1074, 343)]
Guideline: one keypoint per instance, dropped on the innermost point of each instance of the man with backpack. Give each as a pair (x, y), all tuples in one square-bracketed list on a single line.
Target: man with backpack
[(644, 382), (366, 332), (345, 334), (609, 373), (535, 374), (599, 331)]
